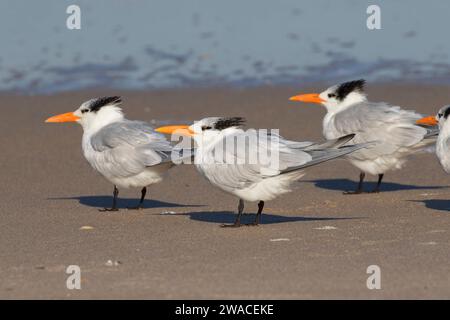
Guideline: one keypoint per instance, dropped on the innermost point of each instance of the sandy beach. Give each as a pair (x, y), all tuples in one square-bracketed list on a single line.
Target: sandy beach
[(313, 243)]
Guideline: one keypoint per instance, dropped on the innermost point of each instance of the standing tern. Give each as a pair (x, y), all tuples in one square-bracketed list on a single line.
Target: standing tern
[(349, 111), (257, 180), (127, 153), (443, 140)]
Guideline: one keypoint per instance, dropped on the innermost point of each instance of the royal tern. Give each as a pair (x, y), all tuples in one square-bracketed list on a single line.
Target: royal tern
[(228, 166), (395, 129), (127, 153), (443, 140)]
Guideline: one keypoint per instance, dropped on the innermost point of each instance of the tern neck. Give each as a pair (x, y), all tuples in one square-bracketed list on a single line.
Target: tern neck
[(444, 128)]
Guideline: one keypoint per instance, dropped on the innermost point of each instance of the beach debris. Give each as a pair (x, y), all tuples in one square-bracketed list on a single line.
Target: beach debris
[(326, 228), (111, 263), (86, 228), (168, 212), (279, 239), (329, 203), (430, 243), (436, 231)]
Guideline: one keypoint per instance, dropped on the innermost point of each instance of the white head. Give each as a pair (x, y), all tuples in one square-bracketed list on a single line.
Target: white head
[(206, 130), (93, 114), (443, 115), (337, 97)]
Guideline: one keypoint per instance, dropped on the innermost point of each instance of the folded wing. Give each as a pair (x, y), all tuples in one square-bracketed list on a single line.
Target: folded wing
[(393, 127), (130, 146)]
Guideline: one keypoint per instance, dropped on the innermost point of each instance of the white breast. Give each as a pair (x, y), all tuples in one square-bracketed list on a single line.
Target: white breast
[(442, 148), (329, 129)]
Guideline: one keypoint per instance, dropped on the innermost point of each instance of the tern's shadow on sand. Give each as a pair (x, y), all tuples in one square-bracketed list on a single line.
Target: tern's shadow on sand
[(349, 185), (436, 204), (122, 203), (224, 217)]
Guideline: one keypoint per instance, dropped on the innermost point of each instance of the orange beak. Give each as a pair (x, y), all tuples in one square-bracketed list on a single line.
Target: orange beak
[(429, 121), (179, 129), (310, 97), (65, 117)]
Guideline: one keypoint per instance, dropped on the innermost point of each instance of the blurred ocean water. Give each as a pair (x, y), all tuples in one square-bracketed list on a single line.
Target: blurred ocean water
[(139, 44)]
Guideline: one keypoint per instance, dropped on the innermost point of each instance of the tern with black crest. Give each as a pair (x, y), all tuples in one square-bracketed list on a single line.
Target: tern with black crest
[(245, 168), (443, 141), (127, 153), (395, 129)]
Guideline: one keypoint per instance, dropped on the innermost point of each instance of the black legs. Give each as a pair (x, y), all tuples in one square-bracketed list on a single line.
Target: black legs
[(116, 194), (237, 222), (377, 188), (258, 215), (114, 204), (141, 202), (359, 190), (362, 175)]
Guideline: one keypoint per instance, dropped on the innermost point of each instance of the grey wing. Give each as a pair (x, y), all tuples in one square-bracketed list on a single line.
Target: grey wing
[(134, 140), (393, 127), (291, 143), (333, 143), (319, 156), (261, 156), (432, 132)]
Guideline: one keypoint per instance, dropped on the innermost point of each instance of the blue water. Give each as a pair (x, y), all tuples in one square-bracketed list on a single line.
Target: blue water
[(166, 43)]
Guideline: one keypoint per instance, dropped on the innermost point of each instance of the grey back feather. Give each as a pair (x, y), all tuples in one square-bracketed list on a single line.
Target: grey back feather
[(393, 127), (291, 157), (133, 141), (319, 156)]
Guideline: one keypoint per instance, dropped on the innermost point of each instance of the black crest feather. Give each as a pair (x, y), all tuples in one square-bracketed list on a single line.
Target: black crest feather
[(98, 103), (447, 112), (224, 123), (345, 88)]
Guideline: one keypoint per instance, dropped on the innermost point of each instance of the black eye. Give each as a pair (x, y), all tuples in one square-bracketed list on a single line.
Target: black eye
[(206, 128), (440, 115), (84, 110), (331, 95)]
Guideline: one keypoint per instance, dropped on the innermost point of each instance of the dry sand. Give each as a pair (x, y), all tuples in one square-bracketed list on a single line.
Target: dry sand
[(49, 192)]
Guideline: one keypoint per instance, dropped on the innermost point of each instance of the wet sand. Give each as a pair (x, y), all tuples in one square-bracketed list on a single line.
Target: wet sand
[(313, 243)]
